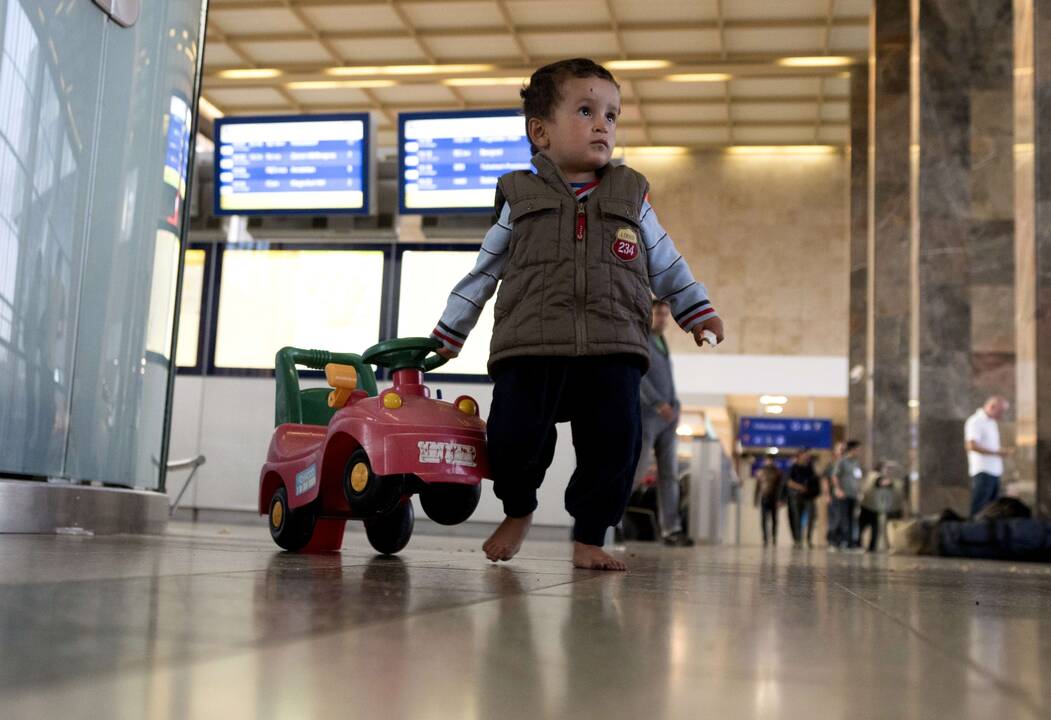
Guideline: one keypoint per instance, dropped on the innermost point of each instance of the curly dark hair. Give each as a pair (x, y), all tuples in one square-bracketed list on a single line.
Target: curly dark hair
[(542, 93)]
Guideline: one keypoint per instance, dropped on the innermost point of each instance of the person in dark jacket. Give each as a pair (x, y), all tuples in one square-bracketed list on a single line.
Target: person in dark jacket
[(769, 496), (660, 419), (802, 489)]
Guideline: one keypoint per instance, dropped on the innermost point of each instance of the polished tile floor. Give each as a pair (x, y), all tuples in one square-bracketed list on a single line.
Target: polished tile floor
[(211, 621)]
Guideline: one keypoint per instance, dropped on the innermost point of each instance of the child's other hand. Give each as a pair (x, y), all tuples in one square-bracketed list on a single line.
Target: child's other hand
[(446, 353), (715, 325)]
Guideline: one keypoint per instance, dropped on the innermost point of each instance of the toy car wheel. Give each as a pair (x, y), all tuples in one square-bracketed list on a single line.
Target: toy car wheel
[(450, 503), (290, 529), (390, 532), (367, 492)]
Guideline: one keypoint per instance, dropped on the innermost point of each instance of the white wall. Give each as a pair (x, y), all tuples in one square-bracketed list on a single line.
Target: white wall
[(230, 420)]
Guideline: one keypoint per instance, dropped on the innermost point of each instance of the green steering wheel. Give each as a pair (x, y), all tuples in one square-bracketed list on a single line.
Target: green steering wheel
[(405, 353)]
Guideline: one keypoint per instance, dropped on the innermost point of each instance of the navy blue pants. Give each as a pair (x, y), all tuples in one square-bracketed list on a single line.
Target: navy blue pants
[(599, 397), (985, 488)]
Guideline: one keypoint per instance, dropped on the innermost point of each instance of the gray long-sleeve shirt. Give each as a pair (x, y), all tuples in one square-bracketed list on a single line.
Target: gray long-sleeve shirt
[(658, 384)]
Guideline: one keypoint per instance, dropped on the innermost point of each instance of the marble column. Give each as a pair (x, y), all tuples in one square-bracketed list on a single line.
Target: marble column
[(857, 421), (887, 326), (1032, 22), (962, 232)]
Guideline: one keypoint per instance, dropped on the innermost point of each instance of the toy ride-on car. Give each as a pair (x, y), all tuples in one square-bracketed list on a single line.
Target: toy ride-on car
[(354, 453)]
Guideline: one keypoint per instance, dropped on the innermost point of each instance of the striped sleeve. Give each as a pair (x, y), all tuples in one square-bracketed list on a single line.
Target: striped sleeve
[(469, 295), (670, 276)]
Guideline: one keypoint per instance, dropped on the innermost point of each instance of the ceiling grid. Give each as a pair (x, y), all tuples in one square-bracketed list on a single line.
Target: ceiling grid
[(696, 73)]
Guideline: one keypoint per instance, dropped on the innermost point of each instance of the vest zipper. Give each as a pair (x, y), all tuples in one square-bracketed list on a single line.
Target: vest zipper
[(580, 278)]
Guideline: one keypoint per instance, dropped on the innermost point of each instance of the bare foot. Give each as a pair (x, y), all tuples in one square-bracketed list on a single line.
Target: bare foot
[(506, 540), (592, 557)]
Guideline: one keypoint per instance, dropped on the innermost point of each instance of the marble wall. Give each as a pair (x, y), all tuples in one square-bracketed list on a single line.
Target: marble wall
[(1032, 163), (962, 232), (857, 418), (888, 324), (768, 235)]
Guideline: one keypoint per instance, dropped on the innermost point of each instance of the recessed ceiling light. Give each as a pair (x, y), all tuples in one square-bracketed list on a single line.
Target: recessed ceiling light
[(817, 61), (356, 70), (781, 149), (773, 400), (205, 107), (249, 73), (338, 84), (469, 82), (774, 409), (637, 64), (657, 150), (697, 77)]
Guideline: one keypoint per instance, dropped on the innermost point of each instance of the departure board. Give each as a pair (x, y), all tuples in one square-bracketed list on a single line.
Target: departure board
[(451, 161), (317, 164)]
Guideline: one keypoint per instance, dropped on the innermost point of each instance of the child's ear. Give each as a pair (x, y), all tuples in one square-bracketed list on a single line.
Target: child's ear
[(537, 133)]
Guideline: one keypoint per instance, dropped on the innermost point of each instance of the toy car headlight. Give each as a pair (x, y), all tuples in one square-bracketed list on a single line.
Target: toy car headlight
[(392, 401), (466, 405)]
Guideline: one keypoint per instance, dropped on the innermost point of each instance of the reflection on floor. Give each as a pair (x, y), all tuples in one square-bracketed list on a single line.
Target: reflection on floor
[(213, 622)]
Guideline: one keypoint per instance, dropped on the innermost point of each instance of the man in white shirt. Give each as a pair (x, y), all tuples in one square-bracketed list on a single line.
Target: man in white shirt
[(985, 458)]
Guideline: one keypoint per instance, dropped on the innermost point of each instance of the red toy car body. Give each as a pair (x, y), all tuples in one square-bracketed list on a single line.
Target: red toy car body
[(373, 454)]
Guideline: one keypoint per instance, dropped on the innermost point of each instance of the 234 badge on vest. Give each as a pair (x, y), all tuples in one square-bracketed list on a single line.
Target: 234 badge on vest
[(626, 244)]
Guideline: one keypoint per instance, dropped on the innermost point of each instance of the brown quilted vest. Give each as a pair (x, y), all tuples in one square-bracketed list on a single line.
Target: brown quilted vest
[(565, 296)]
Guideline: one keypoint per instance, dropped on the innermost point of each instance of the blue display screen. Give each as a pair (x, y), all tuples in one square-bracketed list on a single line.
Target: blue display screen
[(764, 432), (285, 165), (450, 162)]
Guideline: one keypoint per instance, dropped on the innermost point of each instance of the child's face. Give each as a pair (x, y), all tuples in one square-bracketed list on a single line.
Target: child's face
[(582, 131)]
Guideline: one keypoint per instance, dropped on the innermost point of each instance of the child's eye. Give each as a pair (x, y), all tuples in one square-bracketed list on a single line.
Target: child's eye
[(611, 117), (584, 110)]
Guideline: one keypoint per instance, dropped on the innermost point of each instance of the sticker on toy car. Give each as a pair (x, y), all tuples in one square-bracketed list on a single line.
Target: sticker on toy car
[(306, 479), (450, 453)]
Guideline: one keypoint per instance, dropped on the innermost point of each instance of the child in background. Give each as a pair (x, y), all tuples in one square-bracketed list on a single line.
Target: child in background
[(580, 253)]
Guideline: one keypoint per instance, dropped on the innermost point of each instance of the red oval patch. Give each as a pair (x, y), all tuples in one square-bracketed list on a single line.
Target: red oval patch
[(625, 250)]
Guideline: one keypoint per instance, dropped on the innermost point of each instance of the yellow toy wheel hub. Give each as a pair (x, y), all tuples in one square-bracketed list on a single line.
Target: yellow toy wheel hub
[(359, 477)]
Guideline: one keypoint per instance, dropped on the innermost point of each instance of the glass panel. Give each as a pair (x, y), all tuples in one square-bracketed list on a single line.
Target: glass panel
[(161, 319), (327, 299), (425, 276), (190, 309), (49, 86)]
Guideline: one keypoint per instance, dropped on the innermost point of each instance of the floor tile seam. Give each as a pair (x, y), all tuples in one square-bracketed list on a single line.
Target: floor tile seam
[(232, 651), (111, 578), (1003, 684)]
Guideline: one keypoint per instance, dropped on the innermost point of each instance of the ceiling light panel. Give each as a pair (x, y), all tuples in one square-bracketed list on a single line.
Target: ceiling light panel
[(474, 47), (790, 41), (286, 51), (526, 12), (378, 51), (657, 42), (780, 10), (254, 21), (816, 61), (356, 17), (767, 87), (649, 89), (586, 44), (683, 11), (775, 112), (774, 135), (681, 112), (450, 14)]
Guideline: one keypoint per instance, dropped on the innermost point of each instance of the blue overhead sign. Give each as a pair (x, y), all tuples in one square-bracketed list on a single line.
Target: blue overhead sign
[(765, 432), (451, 161), (289, 164)]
